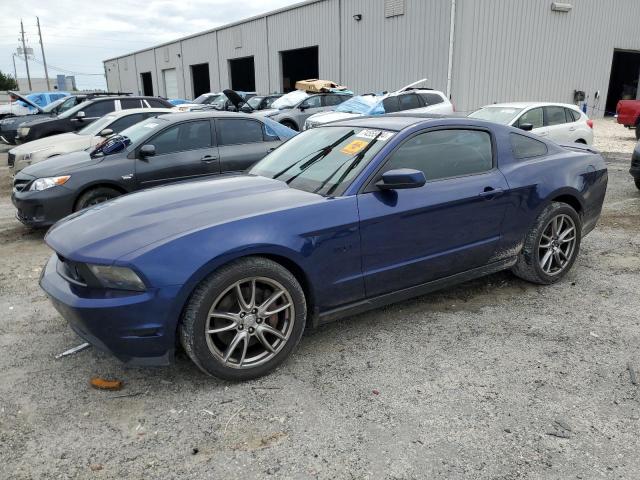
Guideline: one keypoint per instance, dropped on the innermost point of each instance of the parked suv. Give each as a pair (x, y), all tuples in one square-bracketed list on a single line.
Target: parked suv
[(83, 114), (295, 116), (9, 125)]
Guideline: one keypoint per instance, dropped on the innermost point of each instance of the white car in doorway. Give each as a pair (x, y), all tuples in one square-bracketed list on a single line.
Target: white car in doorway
[(563, 123)]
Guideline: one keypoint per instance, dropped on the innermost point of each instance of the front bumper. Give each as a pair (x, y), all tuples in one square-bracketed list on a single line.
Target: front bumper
[(43, 208), (135, 327)]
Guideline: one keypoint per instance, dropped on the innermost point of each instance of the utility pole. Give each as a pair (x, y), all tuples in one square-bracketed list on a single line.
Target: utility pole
[(15, 72), (24, 51), (44, 60)]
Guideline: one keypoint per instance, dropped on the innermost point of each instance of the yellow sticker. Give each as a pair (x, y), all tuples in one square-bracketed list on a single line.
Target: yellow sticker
[(354, 147)]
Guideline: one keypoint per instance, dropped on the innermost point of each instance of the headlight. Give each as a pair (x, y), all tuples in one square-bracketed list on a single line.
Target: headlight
[(23, 131), (44, 183), (121, 278)]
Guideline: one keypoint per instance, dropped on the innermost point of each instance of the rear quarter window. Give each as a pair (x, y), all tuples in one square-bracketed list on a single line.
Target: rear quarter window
[(526, 147)]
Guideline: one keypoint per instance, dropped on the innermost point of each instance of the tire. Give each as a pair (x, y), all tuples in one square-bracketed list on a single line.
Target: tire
[(290, 124), (534, 253), (250, 358), (95, 196), (637, 182), (638, 131)]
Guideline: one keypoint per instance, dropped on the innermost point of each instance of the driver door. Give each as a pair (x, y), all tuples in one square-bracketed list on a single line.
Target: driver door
[(183, 151), (449, 225)]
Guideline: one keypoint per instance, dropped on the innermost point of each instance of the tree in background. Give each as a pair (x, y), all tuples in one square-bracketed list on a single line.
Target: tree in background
[(7, 82)]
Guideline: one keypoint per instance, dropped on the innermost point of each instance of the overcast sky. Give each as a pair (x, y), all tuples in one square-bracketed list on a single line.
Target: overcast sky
[(79, 34)]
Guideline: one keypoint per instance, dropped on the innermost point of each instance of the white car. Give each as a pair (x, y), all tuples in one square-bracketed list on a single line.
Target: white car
[(407, 99), (91, 135), (202, 100), (564, 123)]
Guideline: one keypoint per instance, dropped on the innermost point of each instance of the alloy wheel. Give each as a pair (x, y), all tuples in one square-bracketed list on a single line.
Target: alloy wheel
[(557, 244), (250, 322)]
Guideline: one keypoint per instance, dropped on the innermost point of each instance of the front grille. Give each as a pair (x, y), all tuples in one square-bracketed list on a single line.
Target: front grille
[(71, 271), (11, 160), (20, 184)]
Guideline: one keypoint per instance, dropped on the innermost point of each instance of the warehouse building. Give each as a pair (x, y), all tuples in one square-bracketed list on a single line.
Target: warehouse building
[(478, 51)]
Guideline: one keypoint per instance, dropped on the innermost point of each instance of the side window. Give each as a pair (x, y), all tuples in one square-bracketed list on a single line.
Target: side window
[(127, 103), (126, 122), (312, 102), (268, 101), (533, 116), (390, 104), (554, 116), (155, 103), (332, 100), (409, 101), (98, 109), (182, 137), (445, 153), (571, 115), (431, 98), (526, 147), (236, 132)]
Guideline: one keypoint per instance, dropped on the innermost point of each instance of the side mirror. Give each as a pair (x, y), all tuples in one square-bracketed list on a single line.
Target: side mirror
[(80, 115), (106, 132), (302, 108), (527, 127), (147, 151), (401, 179)]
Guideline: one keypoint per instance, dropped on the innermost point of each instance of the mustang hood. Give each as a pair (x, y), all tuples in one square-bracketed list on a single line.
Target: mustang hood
[(60, 165), (113, 229)]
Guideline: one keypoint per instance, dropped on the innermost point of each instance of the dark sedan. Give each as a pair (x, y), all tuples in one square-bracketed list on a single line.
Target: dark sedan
[(168, 148), (342, 218)]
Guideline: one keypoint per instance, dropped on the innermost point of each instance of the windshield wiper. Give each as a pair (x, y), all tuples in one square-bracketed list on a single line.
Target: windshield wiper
[(317, 155), (352, 162)]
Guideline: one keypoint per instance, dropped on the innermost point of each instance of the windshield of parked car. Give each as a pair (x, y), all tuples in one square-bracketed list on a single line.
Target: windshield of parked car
[(361, 104), (53, 105), (323, 160), (72, 111), (254, 102), (206, 99), (502, 115), (129, 136), (96, 127)]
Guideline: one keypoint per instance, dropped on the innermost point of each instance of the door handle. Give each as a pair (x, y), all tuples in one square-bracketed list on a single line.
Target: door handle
[(209, 159), (572, 129), (543, 134), (490, 192), (271, 149)]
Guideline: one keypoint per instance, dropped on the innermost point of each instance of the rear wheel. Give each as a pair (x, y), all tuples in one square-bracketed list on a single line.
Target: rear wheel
[(638, 131), (95, 196), (637, 182), (244, 320), (551, 246)]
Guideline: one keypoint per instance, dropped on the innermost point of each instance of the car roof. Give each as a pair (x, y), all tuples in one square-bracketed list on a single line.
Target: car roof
[(400, 121), (531, 105), (131, 111), (179, 116)]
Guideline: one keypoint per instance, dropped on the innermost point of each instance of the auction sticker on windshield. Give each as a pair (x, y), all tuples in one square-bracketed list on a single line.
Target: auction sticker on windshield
[(354, 147), (371, 134)]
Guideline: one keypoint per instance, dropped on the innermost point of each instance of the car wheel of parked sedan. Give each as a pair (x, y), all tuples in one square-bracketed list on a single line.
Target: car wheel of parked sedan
[(95, 196), (637, 182), (638, 131), (551, 246), (244, 319), (289, 124)]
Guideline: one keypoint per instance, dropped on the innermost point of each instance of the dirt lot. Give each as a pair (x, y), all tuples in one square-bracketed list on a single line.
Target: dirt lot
[(495, 379)]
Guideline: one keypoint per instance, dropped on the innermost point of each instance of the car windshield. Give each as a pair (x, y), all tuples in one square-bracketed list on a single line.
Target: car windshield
[(129, 136), (502, 115), (72, 111), (96, 127), (361, 105), (206, 99), (53, 105), (323, 160), (254, 102)]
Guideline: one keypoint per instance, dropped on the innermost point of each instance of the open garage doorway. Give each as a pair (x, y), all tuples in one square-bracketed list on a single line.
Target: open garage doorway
[(243, 74), (200, 79), (623, 84), (147, 84), (299, 64)]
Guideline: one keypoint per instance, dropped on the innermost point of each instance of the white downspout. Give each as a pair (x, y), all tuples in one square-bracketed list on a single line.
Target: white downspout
[(452, 36)]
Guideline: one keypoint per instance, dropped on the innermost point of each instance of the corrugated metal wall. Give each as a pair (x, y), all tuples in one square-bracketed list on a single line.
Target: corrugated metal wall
[(381, 53), (522, 50), (504, 49), (127, 69)]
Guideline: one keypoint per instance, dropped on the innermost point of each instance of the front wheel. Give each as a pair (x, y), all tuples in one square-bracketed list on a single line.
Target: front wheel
[(244, 320), (290, 124), (95, 196), (551, 246), (637, 182)]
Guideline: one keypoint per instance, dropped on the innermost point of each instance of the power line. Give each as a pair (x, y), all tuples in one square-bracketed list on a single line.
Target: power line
[(65, 70)]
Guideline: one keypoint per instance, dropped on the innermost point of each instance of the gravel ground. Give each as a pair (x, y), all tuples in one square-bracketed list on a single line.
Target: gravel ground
[(496, 378)]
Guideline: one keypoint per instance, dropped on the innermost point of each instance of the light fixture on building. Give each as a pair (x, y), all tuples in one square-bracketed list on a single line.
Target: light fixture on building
[(561, 7), (357, 17)]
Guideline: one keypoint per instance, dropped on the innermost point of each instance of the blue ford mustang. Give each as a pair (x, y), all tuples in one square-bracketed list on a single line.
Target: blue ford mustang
[(338, 220)]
